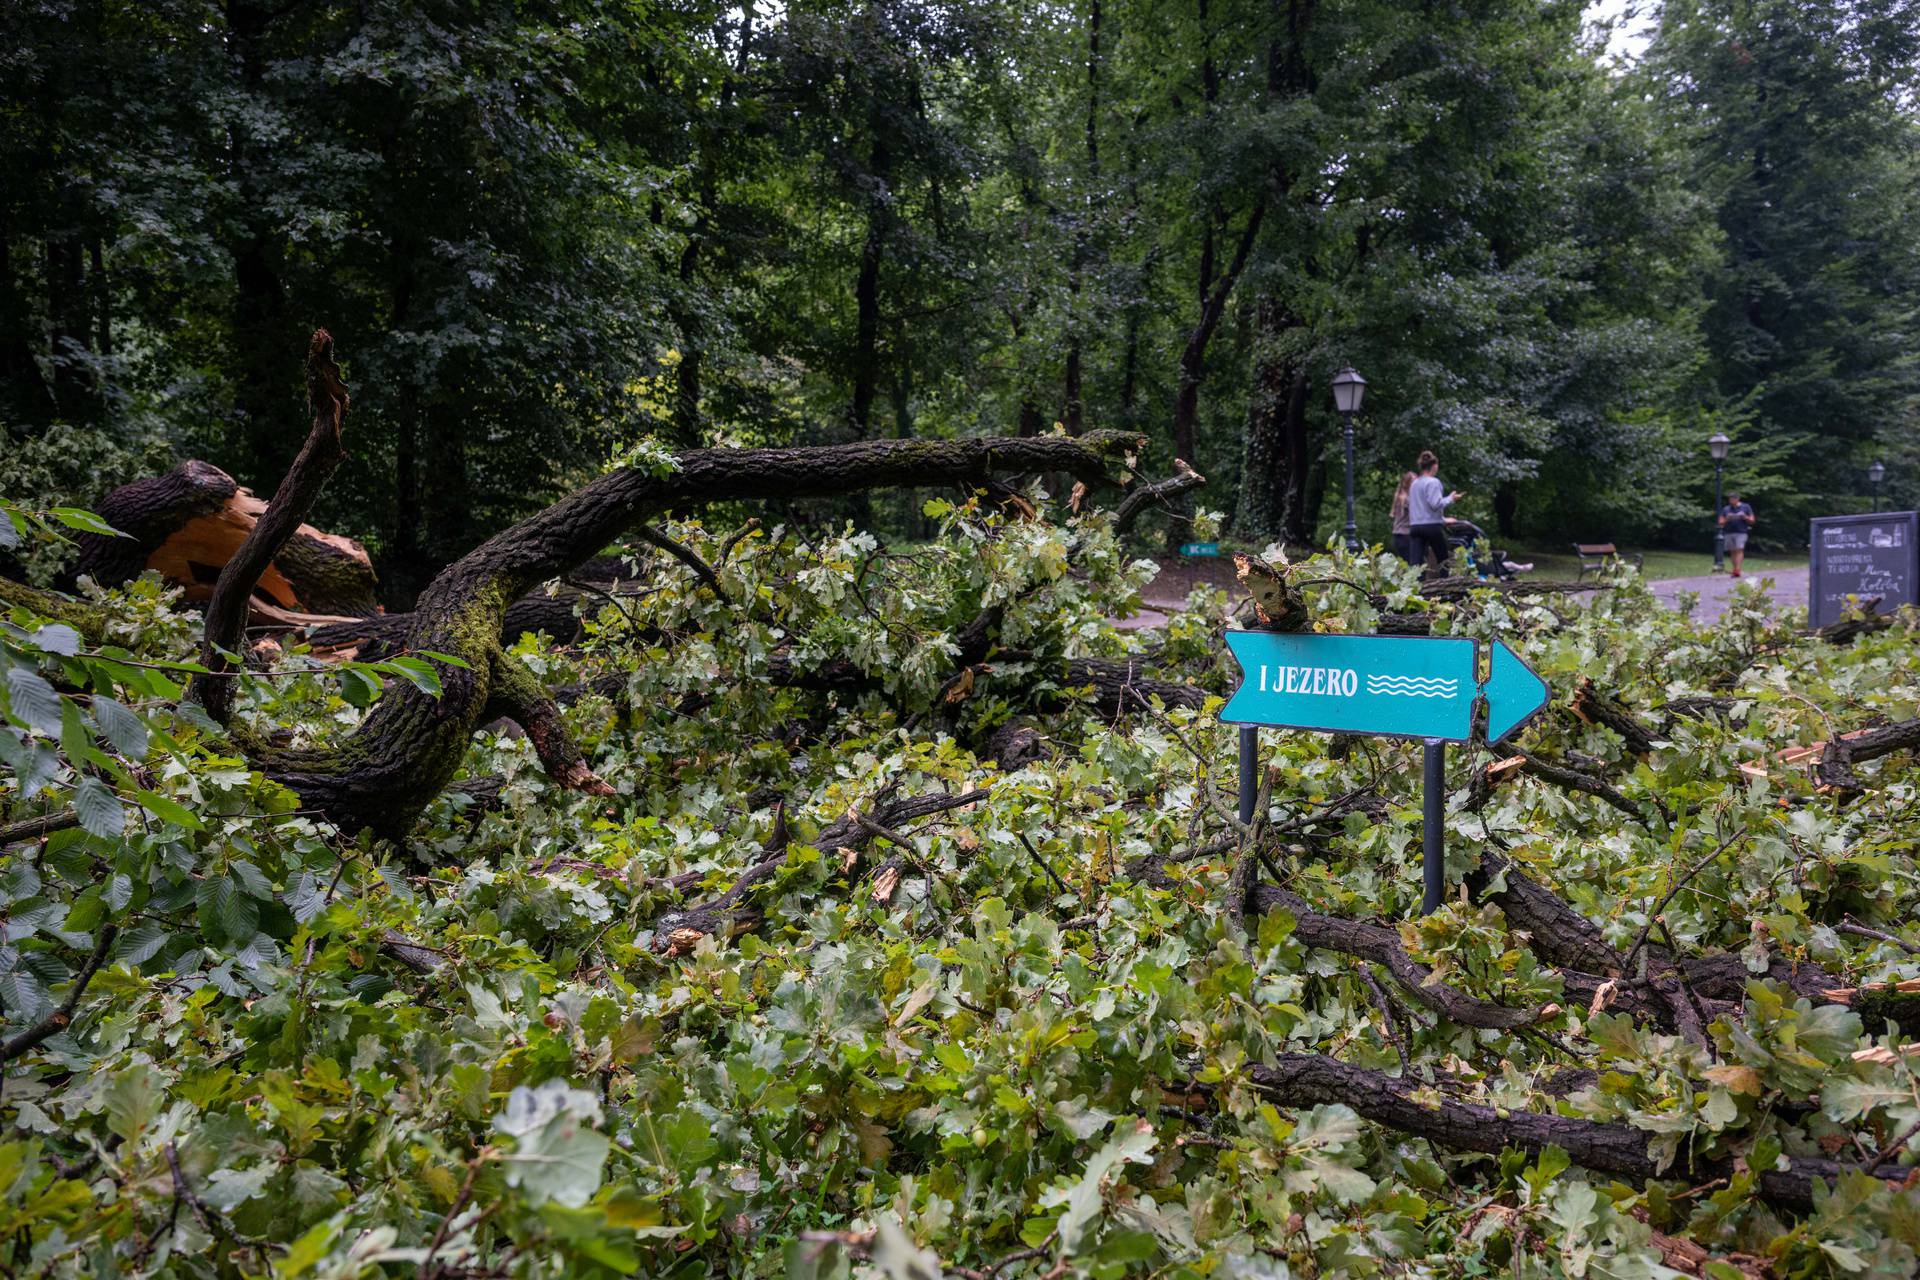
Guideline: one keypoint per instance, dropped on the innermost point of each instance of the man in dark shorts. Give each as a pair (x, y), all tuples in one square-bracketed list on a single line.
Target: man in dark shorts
[(1736, 518)]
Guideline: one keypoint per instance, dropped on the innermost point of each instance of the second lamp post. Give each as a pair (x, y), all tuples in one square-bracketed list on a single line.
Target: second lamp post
[(1349, 388), (1876, 473), (1717, 446)]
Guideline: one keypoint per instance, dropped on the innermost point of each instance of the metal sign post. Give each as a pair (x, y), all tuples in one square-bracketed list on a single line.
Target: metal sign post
[(1433, 834), (1249, 770), (1423, 687)]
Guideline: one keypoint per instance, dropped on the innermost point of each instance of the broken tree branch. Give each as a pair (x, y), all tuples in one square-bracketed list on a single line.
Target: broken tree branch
[(1565, 777), (521, 698), (57, 1021), (1381, 945), (1594, 707), (34, 828), (227, 612), (1139, 499), (1308, 1079), (1844, 751), (677, 931), (684, 554)]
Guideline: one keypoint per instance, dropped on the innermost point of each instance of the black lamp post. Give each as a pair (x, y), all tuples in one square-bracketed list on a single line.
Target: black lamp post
[(1717, 446), (1876, 473), (1349, 389)]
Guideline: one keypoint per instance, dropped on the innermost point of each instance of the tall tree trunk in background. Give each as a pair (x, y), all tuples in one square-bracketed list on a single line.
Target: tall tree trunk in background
[(266, 395), (1075, 412), (688, 429), (451, 530), (686, 374), (1506, 504), (1136, 302), (1274, 479), (101, 291), (1031, 423), (1274, 476), (1313, 491), (866, 288), (263, 397), (73, 389), (24, 394), (404, 569), (1213, 305), (901, 391)]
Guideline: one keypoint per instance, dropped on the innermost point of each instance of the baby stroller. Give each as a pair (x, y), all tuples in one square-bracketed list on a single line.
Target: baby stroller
[(1464, 537)]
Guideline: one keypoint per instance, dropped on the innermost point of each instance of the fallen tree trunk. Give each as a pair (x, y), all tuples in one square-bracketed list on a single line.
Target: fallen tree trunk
[(1688, 987), (187, 524), (1120, 687), (1488, 777), (1309, 1079), (1864, 620), (410, 746)]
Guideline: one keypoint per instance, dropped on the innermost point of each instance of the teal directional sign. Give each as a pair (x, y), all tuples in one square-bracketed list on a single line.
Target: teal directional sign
[(1406, 686)]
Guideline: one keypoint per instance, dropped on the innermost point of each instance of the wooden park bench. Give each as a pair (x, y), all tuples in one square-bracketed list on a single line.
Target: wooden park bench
[(1595, 556)]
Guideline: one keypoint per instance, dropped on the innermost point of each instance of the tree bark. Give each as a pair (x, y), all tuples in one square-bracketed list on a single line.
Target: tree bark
[(1595, 707), (1381, 945), (1844, 751)]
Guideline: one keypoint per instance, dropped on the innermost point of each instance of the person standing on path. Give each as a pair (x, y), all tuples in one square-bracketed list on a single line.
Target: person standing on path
[(1735, 519), (1427, 503), (1402, 539)]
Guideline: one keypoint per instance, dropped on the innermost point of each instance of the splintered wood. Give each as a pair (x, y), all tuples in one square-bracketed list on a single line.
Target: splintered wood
[(1804, 760), (192, 556)]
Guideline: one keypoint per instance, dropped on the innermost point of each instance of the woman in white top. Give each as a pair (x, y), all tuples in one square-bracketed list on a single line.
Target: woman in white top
[(1427, 503)]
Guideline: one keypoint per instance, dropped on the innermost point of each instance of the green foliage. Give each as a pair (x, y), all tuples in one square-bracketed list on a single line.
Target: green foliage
[(1024, 1049)]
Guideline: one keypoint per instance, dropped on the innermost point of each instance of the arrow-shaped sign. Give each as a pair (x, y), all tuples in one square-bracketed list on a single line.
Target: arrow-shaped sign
[(1405, 686)]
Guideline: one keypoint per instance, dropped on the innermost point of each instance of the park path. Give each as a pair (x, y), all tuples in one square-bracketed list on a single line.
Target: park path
[(1787, 587)]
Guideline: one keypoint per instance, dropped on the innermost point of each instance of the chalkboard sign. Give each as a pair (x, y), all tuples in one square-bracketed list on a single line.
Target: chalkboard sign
[(1863, 556)]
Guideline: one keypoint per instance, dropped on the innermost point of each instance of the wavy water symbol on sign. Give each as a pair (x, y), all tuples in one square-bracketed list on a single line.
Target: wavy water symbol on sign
[(1413, 686)]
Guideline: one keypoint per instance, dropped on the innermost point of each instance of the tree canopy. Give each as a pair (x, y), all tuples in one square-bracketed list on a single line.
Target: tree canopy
[(547, 231)]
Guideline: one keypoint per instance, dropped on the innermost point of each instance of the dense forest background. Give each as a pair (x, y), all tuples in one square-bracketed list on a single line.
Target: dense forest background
[(546, 231)]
